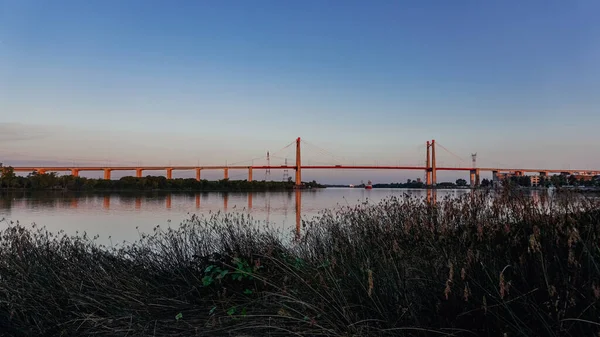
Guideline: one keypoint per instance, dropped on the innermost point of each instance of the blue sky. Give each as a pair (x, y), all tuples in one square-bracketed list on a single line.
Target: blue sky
[(158, 82)]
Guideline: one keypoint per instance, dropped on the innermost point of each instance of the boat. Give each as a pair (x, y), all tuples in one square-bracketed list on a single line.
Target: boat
[(368, 186)]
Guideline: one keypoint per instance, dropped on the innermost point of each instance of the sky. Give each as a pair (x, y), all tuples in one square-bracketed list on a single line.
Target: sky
[(216, 82)]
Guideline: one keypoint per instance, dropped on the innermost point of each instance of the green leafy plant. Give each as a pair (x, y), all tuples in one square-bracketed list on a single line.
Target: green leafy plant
[(242, 270)]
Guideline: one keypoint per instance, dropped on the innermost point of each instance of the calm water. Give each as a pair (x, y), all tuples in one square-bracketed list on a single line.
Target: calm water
[(117, 215)]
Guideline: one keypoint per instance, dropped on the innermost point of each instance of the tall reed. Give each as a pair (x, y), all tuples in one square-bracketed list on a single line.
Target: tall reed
[(479, 265)]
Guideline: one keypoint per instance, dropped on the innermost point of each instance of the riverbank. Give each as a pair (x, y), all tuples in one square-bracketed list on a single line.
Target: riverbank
[(468, 266), (51, 181)]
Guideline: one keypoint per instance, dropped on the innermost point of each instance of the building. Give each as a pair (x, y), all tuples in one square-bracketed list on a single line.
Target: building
[(507, 175), (586, 173), (534, 179)]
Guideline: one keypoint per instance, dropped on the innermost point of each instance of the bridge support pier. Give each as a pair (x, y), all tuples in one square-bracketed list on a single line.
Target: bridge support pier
[(75, 172), (249, 173), (474, 178), (198, 174), (107, 174), (226, 173), (40, 171), (139, 172), (169, 173)]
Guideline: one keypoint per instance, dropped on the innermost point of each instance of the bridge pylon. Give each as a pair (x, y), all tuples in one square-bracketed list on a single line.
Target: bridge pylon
[(430, 168), (298, 164), (433, 164)]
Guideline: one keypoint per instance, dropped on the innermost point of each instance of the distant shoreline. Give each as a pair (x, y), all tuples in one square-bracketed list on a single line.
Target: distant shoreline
[(53, 182), (570, 189), (60, 190)]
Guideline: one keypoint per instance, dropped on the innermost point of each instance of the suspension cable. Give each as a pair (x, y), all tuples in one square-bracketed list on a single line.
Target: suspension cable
[(450, 152)]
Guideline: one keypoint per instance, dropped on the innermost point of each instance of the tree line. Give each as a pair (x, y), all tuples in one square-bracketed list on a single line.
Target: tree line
[(419, 184), (49, 181), (557, 180), (409, 184)]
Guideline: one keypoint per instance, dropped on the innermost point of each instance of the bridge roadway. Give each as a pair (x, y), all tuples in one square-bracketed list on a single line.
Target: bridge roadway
[(169, 169)]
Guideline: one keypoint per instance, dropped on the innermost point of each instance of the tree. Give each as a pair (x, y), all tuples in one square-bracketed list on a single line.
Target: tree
[(485, 183), (558, 180), (525, 181), (7, 176), (461, 182), (572, 180)]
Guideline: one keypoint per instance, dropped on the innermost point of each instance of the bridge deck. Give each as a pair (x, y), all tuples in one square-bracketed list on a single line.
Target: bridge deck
[(262, 167)]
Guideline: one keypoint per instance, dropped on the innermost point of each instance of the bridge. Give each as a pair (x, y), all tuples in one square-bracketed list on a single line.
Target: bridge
[(430, 168)]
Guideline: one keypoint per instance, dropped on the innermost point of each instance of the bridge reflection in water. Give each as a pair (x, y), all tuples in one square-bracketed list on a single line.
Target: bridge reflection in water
[(182, 203), (432, 196), (138, 201), (119, 214)]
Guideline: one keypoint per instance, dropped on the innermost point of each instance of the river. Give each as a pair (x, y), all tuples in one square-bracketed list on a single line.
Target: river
[(121, 215)]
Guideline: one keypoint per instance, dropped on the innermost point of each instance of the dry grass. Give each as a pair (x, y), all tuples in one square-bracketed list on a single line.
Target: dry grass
[(476, 266)]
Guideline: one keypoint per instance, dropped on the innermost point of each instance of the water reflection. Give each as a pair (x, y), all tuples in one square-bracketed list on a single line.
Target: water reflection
[(118, 214), (432, 196), (298, 212), (144, 200)]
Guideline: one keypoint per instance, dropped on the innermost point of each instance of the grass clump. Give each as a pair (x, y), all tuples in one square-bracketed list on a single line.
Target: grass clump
[(479, 265)]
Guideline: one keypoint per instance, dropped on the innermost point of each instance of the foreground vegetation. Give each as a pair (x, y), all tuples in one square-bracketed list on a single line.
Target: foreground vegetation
[(49, 181), (475, 266)]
